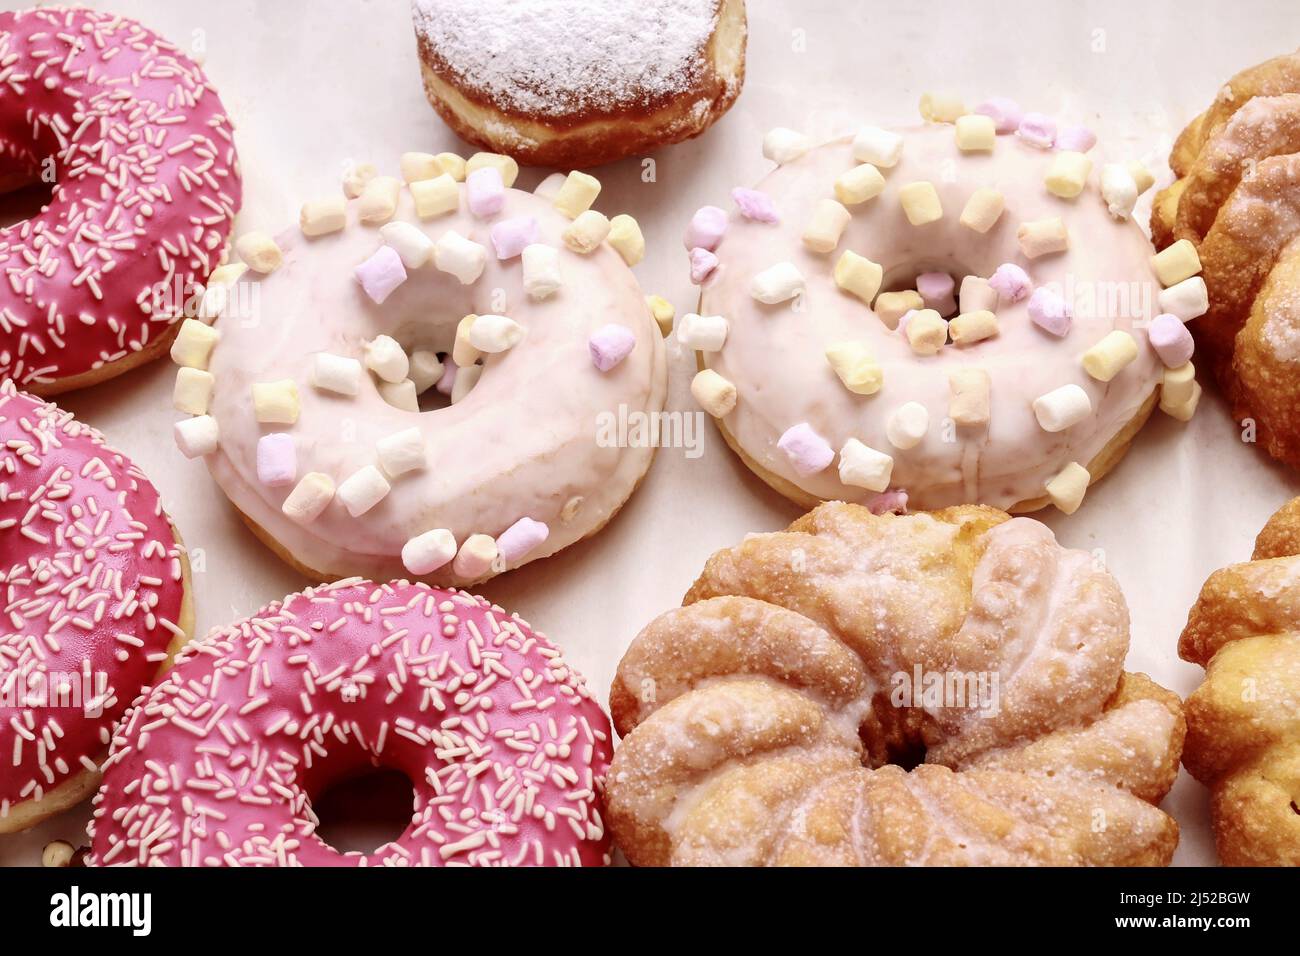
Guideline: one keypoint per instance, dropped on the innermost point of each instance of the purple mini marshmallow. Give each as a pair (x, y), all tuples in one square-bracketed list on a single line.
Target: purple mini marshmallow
[(808, 452), (609, 345), (277, 460), (521, 538), (1171, 340), (485, 191), (755, 205), (1011, 282), (1080, 139), (1005, 113), (381, 274), (1050, 312), (936, 291), (706, 228), (445, 384), (510, 236), (703, 262), (1037, 130)]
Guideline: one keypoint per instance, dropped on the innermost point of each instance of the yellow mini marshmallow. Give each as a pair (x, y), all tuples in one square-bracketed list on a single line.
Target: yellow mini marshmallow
[(1142, 177), (378, 201), (864, 467), (892, 306), (404, 396), (419, 166), (858, 275), (856, 367), (193, 344), (1176, 263), (625, 236), (1108, 357), (983, 209), (973, 327), (321, 216), (193, 391), (716, 395), (276, 402), (941, 107), (1068, 488), (663, 312), (1184, 410), (920, 203), (1068, 174), (822, 234), (859, 184), (968, 396), (462, 352), (475, 557), (309, 497), (435, 197), (508, 168), (356, 177), (577, 194), (976, 133), (1043, 237), (454, 165), (259, 251), (587, 232), (1179, 385), (927, 332)]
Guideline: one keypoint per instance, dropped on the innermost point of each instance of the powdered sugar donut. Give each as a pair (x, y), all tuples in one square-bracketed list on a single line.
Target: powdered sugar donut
[(139, 151), (503, 745), (94, 590)]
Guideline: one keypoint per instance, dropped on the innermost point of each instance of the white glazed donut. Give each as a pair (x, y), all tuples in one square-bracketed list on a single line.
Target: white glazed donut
[(306, 413), (824, 397)]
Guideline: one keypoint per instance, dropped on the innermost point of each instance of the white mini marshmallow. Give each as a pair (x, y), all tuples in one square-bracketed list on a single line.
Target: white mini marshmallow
[(495, 333), (399, 395), (463, 351), (1062, 407), (467, 377), (216, 293), (336, 373), (401, 452), (455, 254), (782, 145), (550, 187), (541, 265), (309, 497), (704, 333), (877, 146), (259, 251), (1118, 189), (778, 283), (426, 553), (585, 234), (907, 425), (196, 437), (864, 467), (1187, 299), (356, 177), (387, 359), (408, 241), (426, 369), (362, 490)]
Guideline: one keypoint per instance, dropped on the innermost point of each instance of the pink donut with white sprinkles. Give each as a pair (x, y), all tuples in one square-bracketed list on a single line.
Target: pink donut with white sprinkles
[(505, 749), (145, 184)]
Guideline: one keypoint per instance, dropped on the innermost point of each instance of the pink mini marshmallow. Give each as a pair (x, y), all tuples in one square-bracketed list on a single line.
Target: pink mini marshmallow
[(609, 345), (808, 452), (381, 274), (1080, 139), (755, 205), (1011, 282), (1005, 113), (888, 502), (706, 228), (510, 236), (485, 191), (521, 538), (1050, 312), (445, 384), (703, 262), (1037, 130), (936, 292), (277, 460), (1171, 340)]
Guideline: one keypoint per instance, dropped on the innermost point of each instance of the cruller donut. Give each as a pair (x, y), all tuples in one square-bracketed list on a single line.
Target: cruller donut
[(145, 188)]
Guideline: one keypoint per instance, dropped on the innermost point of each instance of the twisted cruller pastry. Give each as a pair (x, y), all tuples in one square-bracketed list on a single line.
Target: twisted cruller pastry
[(1243, 723), (760, 724)]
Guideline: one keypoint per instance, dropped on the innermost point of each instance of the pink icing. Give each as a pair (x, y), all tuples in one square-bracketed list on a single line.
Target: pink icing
[(91, 582), (505, 747), (147, 186)]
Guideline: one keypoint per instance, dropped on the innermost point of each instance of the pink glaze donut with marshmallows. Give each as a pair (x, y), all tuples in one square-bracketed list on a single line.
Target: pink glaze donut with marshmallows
[(503, 744), (141, 157)]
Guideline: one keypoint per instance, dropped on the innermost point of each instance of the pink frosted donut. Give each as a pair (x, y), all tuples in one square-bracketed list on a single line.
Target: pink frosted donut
[(94, 600), (504, 747), (145, 182)]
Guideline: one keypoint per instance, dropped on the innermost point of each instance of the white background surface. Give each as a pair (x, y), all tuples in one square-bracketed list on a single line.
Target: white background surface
[(312, 86)]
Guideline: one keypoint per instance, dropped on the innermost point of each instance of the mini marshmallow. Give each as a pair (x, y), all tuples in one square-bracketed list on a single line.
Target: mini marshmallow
[(277, 460), (704, 333), (309, 498), (754, 205), (585, 234), (455, 254), (907, 425), (356, 177), (662, 311), (889, 502), (425, 370), (401, 452), (426, 553), (706, 228), (1068, 488), (1062, 407), (335, 373), (807, 451), (1005, 113), (971, 327), (378, 201), (408, 241), (196, 437), (475, 557), (1037, 130), (703, 263), (1078, 139), (541, 264), (319, 217), (1043, 237), (976, 133), (1142, 177), (716, 395), (416, 167), (968, 398), (276, 402), (577, 194), (856, 367), (859, 184), (521, 538), (941, 107), (1183, 411), (1187, 299), (435, 197), (381, 274), (609, 345), (823, 231), (1119, 190), (1177, 262), (193, 390), (1050, 312), (936, 291), (892, 306), (445, 384), (467, 377), (463, 352), (193, 344), (983, 209), (259, 251), (626, 238), (510, 237), (217, 292), (386, 358), (864, 467), (495, 333), (1068, 174), (1108, 357), (505, 165), (485, 193), (926, 331), (782, 145), (977, 295), (550, 187), (778, 283), (877, 146), (1178, 385), (1011, 282), (1171, 340), (399, 394), (920, 203), (858, 275), (362, 490)]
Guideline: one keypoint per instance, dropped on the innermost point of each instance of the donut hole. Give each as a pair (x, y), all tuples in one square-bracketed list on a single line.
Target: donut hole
[(903, 278), (364, 810)]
